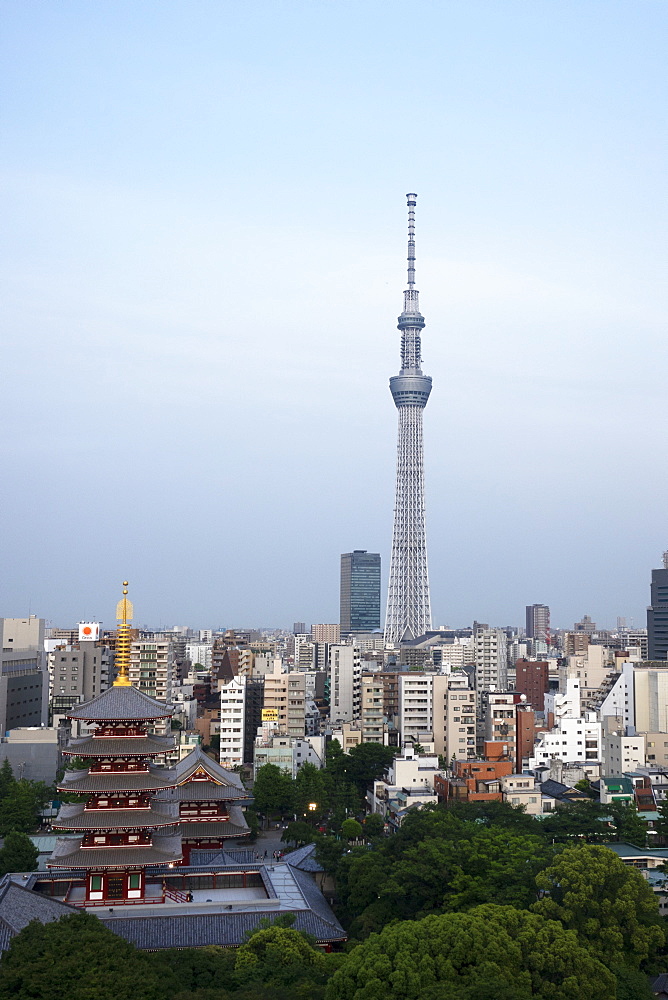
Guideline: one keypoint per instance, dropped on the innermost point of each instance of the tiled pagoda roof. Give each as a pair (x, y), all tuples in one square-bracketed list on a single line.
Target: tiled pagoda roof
[(155, 779), (119, 704), (69, 853), (74, 816), (119, 746)]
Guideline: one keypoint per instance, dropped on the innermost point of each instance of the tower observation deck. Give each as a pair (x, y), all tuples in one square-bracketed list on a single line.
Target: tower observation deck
[(408, 606)]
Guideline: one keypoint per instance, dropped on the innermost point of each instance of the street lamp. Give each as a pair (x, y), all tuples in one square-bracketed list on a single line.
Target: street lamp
[(312, 806)]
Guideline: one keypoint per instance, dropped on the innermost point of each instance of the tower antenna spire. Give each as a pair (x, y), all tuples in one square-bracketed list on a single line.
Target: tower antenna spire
[(412, 200)]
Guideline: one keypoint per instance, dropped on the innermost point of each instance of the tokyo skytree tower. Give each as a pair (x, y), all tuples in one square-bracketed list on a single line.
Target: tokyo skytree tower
[(408, 608)]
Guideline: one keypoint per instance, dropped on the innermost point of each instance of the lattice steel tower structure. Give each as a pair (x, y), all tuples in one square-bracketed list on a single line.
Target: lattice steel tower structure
[(408, 608)]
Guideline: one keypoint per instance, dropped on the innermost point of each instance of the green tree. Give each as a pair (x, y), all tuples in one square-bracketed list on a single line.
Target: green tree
[(367, 762), (629, 826), (374, 825), (661, 825), (334, 758), (492, 951), (18, 854), (483, 865), (351, 829), (344, 798), (273, 791), (193, 969), (20, 808), (79, 958), (310, 788), (7, 780), (611, 906), (285, 963), (298, 833), (253, 826), (580, 821), (328, 852)]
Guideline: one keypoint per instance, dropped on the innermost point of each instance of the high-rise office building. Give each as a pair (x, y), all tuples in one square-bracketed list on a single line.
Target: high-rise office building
[(538, 622), (657, 614), (360, 591), (408, 606)]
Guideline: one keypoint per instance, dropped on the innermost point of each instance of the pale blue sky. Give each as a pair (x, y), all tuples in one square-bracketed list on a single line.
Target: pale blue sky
[(203, 262)]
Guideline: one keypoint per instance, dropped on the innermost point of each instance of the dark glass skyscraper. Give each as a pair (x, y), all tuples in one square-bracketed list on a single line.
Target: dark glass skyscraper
[(657, 614), (360, 591)]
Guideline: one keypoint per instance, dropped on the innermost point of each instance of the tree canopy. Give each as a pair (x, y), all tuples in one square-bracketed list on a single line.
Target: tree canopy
[(18, 854), (20, 804), (78, 958), (611, 906), (273, 792), (491, 951)]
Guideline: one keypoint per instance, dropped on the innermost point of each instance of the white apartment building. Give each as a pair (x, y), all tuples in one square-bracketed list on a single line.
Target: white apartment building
[(453, 655), (286, 753), (621, 753), (305, 652), (345, 682), (564, 704), (491, 659), (416, 707), (232, 721), (572, 741), (199, 652)]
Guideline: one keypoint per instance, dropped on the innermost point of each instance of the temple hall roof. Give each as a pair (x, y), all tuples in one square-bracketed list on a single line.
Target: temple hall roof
[(198, 760), (120, 703), (206, 791), (18, 906), (224, 929), (304, 859), (190, 830), (119, 746)]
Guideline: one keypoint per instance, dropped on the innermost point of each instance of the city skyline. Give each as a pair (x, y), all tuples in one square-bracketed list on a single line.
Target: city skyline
[(201, 272)]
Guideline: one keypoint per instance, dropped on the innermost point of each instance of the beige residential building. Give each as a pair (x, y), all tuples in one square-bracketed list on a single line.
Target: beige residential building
[(455, 704), (650, 696), (285, 700), (326, 633), (153, 668), (275, 704), (520, 790), (372, 712), (656, 749), (296, 705)]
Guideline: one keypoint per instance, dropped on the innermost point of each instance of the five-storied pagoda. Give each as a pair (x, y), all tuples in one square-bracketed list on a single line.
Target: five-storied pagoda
[(408, 607), (120, 828)]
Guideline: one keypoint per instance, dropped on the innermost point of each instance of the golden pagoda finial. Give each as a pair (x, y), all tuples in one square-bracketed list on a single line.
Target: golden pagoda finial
[(124, 614)]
